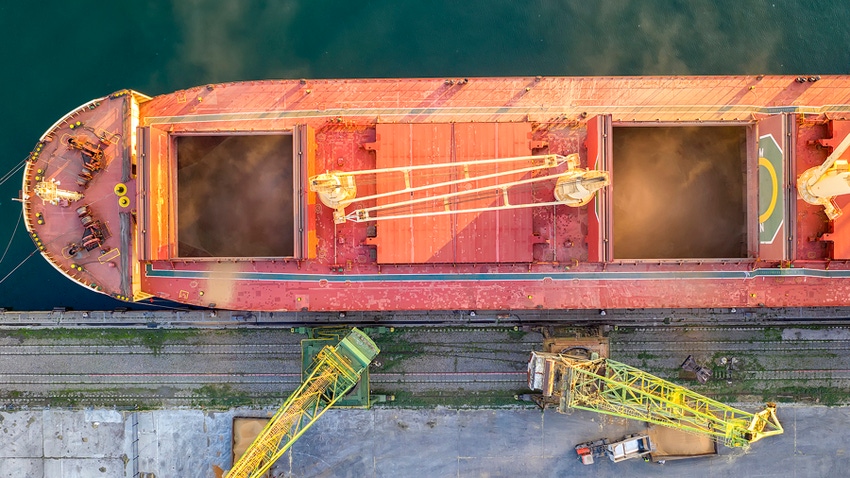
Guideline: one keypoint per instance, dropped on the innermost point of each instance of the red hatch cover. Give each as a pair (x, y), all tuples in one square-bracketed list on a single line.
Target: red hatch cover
[(491, 236)]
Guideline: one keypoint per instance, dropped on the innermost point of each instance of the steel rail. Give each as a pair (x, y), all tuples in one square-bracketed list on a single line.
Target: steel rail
[(141, 349)]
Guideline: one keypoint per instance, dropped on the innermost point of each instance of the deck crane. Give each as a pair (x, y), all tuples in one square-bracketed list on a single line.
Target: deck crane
[(446, 188), (605, 386), (819, 185), (335, 371)]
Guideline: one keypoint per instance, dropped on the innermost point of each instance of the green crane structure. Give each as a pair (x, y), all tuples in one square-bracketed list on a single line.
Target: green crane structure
[(332, 374), (605, 386)]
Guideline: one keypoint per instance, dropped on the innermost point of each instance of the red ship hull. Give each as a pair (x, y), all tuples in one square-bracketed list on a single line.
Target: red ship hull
[(216, 209)]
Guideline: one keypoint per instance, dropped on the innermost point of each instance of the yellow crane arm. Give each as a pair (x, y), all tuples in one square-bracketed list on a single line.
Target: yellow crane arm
[(613, 388), (333, 373)]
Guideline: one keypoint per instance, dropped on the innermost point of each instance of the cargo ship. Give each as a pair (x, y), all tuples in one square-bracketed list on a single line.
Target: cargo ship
[(454, 194)]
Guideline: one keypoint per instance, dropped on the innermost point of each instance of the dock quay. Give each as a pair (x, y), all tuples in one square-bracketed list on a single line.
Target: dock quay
[(215, 318)]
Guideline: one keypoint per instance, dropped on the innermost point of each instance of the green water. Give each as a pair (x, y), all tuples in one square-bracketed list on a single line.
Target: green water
[(57, 55)]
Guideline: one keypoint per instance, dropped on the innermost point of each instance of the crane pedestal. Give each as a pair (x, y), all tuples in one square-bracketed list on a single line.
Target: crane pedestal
[(317, 339), (335, 371)]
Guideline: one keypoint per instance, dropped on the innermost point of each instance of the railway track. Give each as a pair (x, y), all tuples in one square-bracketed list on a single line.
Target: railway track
[(54, 370), (148, 379), (156, 379), (171, 349), (742, 346), (425, 366), (774, 363), (462, 378)]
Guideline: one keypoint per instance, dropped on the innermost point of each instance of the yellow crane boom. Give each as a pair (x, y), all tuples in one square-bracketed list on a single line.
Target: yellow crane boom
[(605, 386), (332, 374)]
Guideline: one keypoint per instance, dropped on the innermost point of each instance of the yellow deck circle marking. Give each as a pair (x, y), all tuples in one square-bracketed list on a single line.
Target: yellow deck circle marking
[(766, 164)]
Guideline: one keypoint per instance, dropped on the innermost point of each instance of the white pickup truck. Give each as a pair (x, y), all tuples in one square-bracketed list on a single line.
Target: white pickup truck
[(657, 444), (632, 446)]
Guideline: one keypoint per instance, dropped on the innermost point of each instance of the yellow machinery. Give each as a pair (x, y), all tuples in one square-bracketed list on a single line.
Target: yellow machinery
[(574, 186), (613, 388), (332, 374)]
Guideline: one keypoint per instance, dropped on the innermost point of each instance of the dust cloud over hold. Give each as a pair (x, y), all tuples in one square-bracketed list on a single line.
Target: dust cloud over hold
[(653, 37), (679, 193), (234, 196), (223, 40)]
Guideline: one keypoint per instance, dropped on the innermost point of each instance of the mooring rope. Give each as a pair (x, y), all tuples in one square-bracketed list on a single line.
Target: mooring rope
[(18, 266), (12, 238), (9, 175)]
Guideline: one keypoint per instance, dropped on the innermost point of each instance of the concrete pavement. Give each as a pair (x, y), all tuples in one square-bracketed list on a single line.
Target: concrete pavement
[(383, 442)]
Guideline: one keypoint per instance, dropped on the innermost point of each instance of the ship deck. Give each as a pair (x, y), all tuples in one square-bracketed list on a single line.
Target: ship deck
[(546, 257), (58, 229)]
